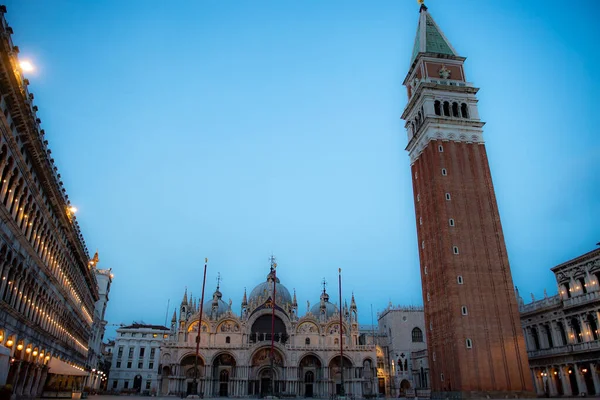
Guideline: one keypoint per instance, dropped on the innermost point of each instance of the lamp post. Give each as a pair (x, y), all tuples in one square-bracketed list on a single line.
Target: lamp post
[(342, 390), (195, 381)]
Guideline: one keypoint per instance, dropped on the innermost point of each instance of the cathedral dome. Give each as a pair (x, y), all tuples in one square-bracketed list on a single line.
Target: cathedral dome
[(221, 306), (330, 308), (263, 291)]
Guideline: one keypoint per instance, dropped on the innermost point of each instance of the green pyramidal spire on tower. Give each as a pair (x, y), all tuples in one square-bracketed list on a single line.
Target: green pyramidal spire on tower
[(430, 38)]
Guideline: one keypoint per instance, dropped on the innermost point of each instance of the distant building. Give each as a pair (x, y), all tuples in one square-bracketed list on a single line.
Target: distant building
[(95, 356), (404, 330), (135, 358), (561, 331)]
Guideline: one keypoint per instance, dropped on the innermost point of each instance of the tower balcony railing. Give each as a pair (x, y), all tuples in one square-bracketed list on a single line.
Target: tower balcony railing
[(582, 299), (540, 304)]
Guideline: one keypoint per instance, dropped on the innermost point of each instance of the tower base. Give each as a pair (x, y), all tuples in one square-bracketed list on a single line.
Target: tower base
[(458, 395)]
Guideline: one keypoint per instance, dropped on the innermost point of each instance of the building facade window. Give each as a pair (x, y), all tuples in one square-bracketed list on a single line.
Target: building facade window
[(451, 222), (441, 148), (448, 196), (455, 249), (417, 335), (131, 352), (150, 365), (129, 364), (227, 339), (307, 341), (142, 351), (459, 279), (152, 352), (140, 365), (464, 310), (444, 172), (118, 364), (469, 343)]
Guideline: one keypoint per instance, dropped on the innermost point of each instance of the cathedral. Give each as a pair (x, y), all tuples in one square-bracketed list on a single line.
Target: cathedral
[(235, 350)]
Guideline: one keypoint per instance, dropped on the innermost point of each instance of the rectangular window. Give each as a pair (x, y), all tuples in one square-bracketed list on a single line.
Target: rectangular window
[(152, 352), (129, 364), (463, 310), (148, 385), (126, 385), (114, 384), (151, 365), (143, 335), (140, 365), (418, 198), (118, 364), (131, 352), (142, 351), (120, 354), (420, 221)]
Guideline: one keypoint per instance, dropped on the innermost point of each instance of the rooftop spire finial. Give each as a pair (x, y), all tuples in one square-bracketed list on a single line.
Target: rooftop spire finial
[(324, 283), (273, 262), (423, 6), (218, 280)]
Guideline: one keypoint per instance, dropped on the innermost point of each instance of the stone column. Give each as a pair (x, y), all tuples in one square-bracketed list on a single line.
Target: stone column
[(551, 384), (595, 378), (580, 380), (563, 375)]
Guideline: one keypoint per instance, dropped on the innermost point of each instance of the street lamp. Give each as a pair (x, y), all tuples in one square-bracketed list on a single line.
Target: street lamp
[(26, 66)]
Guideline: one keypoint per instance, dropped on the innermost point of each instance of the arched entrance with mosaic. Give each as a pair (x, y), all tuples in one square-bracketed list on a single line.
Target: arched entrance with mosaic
[(189, 372), (310, 371), (223, 371), (267, 380)]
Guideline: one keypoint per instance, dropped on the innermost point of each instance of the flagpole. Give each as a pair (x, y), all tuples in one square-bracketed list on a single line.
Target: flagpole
[(195, 382), (273, 270), (342, 390)]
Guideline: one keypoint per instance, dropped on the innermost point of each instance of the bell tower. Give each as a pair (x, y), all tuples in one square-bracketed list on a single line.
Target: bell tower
[(475, 341)]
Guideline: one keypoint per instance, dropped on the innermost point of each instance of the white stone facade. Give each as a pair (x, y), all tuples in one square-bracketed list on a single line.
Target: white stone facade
[(562, 331), (234, 354), (402, 338), (135, 361)]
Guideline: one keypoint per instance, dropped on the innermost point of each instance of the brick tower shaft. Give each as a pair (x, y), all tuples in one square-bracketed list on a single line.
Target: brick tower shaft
[(475, 342)]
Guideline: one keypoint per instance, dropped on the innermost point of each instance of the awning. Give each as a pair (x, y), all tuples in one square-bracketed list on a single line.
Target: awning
[(59, 367)]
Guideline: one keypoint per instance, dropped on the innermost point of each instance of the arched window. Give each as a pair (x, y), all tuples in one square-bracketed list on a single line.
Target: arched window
[(593, 326), (400, 366), (549, 336), (577, 330), (227, 339), (563, 334), (446, 109), (455, 110), (464, 110), (567, 289), (582, 283), (536, 339), (469, 343), (437, 107), (417, 335), (307, 341), (336, 341)]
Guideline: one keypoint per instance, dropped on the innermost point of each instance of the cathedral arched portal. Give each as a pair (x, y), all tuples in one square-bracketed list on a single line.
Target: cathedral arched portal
[(310, 371), (191, 373), (335, 374), (267, 372), (223, 371)]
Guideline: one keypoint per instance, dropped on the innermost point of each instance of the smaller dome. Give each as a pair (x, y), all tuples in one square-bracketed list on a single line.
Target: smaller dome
[(217, 301), (330, 308)]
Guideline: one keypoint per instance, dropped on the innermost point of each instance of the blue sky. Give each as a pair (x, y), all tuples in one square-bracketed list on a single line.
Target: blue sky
[(230, 130)]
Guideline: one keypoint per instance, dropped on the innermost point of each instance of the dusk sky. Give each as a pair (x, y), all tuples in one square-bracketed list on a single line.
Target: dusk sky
[(233, 130)]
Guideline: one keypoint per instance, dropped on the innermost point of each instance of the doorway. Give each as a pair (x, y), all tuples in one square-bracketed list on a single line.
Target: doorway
[(381, 386), (265, 387), (223, 383), (137, 383), (309, 378)]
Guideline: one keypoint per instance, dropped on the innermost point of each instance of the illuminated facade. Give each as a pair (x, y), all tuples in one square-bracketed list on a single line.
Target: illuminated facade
[(562, 331), (474, 339), (235, 349), (47, 288)]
